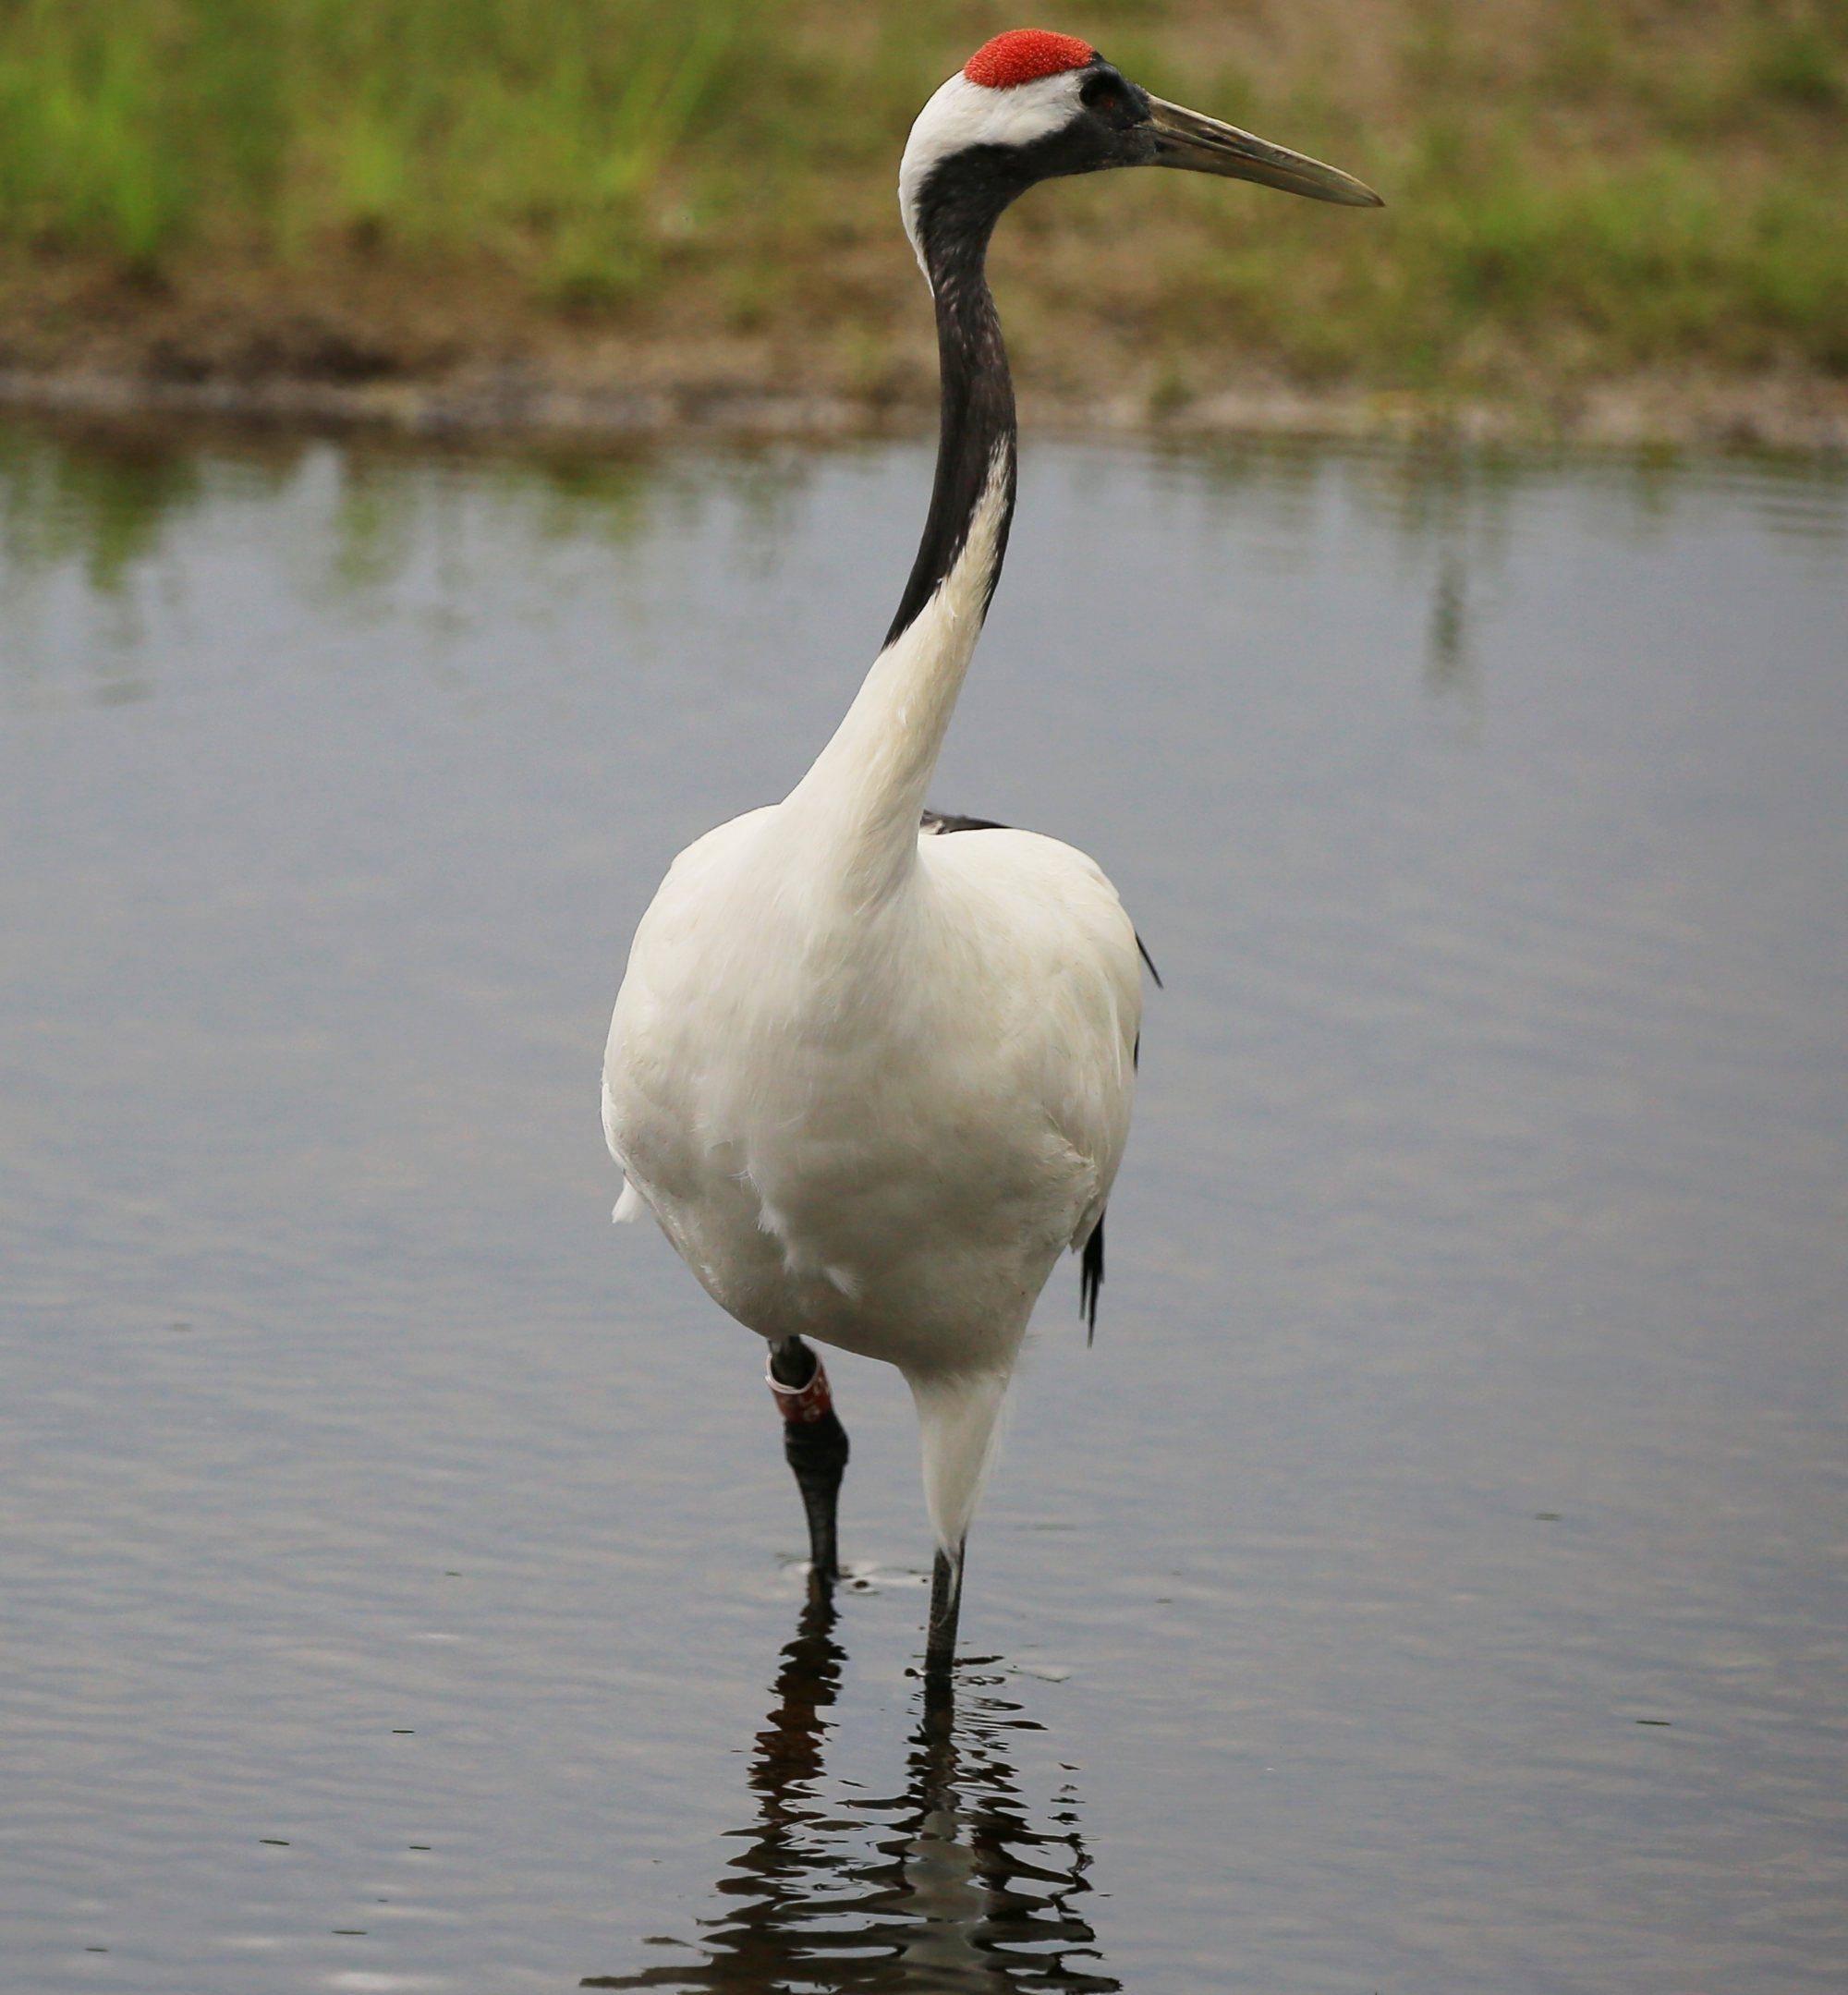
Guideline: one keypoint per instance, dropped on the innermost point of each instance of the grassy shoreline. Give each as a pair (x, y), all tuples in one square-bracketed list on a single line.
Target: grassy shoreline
[(1612, 220)]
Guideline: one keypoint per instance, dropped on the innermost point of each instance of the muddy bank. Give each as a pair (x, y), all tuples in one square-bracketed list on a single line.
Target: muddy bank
[(1783, 415), (438, 350)]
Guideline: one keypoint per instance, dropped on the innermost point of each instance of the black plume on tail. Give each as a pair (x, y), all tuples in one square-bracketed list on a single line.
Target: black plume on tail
[(1090, 1279)]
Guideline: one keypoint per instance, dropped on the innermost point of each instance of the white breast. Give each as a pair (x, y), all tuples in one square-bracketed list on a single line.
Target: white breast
[(878, 1125)]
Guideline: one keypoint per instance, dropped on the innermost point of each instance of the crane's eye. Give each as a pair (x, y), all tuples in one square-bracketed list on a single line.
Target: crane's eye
[(1101, 94)]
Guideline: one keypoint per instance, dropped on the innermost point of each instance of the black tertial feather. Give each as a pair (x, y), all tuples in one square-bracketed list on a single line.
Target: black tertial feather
[(1091, 1281), (942, 821)]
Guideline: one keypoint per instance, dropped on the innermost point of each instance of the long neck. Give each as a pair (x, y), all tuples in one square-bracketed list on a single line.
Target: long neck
[(868, 784), (977, 431)]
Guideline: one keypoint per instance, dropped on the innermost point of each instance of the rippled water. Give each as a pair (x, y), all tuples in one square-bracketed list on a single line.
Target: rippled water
[(1433, 1579)]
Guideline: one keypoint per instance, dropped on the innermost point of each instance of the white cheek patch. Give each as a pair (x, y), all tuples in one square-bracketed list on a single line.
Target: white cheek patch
[(963, 113)]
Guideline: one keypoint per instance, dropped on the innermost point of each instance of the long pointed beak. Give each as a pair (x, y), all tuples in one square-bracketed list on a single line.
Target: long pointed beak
[(1197, 144)]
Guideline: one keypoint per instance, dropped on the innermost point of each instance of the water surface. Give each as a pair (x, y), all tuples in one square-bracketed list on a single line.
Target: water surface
[(1433, 1578)]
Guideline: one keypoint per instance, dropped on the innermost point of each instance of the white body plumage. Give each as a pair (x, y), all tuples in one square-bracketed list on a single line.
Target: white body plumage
[(870, 1083)]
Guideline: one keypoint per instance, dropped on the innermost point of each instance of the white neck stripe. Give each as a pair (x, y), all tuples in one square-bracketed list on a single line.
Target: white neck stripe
[(961, 115)]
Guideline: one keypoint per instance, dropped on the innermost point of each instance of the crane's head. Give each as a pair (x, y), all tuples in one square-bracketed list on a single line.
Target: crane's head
[(1031, 105)]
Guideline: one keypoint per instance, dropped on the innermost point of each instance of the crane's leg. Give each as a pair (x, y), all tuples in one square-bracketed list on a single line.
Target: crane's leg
[(814, 1445), (947, 1601)]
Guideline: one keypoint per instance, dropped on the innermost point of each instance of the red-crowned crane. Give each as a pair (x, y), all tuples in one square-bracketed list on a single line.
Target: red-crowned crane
[(872, 1080)]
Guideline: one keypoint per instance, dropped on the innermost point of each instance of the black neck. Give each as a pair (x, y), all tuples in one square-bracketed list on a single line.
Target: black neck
[(958, 210)]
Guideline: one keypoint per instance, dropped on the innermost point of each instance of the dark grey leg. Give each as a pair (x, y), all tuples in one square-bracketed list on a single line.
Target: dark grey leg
[(814, 1445), (946, 1599)]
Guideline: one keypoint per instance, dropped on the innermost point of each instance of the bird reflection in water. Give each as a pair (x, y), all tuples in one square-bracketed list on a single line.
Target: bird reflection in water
[(946, 1886)]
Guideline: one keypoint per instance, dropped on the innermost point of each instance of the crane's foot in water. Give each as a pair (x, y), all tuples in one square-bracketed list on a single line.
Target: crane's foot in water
[(940, 1639), (815, 1445)]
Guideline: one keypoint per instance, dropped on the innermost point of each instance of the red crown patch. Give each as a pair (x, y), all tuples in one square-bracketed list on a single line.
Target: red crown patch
[(1024, 55)]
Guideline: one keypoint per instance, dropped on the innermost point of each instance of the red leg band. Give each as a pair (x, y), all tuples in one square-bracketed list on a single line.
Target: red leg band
[(800, 1404)]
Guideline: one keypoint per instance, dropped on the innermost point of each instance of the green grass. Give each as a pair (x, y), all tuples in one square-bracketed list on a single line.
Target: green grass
[(146, 127), (1577, 187)]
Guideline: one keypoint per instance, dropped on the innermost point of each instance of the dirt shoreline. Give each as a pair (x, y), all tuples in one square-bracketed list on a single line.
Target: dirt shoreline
[(1802, 417)]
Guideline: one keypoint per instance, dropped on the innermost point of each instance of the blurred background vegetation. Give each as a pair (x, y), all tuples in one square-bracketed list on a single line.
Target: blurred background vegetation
[(702, 192)]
